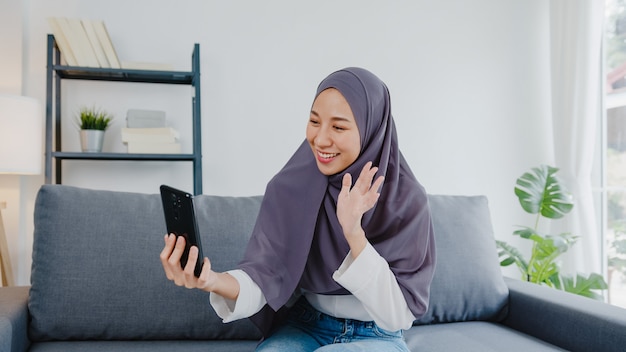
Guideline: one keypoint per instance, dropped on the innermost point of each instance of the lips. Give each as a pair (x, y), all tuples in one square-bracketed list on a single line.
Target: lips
[(326, 157)]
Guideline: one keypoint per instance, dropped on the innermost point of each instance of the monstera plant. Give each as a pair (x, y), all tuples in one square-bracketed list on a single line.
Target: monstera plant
[(541, 192)]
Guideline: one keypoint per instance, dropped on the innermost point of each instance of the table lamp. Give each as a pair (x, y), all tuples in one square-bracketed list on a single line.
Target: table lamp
[(20, 154)]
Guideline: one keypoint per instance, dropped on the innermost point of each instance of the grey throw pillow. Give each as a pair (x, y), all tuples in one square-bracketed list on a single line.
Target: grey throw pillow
[(468, 283)]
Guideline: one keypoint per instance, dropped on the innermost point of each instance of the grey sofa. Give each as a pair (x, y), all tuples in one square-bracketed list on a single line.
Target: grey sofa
[(97, 284)]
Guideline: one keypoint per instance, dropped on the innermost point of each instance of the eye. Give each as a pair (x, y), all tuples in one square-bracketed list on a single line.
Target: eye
[(313, 122), (339, 128)]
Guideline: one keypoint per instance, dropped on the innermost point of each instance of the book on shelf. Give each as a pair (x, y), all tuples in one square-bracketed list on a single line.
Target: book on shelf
[(106, 43), (152, 135), (87, 43), (75, 33), (84, 42), (72, 39), (95, 43), (139, 118), (140, 147), (62, 41)]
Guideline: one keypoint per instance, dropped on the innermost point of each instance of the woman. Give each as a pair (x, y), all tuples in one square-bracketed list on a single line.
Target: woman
[(331, 265)]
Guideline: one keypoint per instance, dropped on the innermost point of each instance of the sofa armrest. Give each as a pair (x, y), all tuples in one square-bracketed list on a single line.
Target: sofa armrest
[(14, 319), (564, 319)]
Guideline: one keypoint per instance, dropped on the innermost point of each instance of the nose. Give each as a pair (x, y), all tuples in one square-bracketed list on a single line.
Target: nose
[(322, 139)]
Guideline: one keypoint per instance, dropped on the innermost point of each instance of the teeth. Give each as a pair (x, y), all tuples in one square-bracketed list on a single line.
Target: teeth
[(327, 155)]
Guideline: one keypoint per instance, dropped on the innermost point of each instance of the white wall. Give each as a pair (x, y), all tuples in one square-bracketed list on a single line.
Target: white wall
[(469, 85)]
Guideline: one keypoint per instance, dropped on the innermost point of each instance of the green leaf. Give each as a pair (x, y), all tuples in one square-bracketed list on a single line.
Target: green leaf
[(508, 261), (553, 246), (530, 234), (556, 281), (585, 286), (509, 255), (541, 191), (563, 241), (543, 270), (545, 252)]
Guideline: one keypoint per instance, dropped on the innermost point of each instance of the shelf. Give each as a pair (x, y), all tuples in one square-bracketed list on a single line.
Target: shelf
[(123, 75), (56, 72), (122, 156)]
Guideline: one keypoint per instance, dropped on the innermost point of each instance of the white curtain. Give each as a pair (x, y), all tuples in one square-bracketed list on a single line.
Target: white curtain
[(576, 29)]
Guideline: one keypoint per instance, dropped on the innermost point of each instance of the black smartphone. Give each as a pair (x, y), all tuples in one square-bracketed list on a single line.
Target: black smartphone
[(180, 219)]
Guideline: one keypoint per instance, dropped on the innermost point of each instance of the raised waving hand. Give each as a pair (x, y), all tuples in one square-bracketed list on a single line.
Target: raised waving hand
[(354, 201)]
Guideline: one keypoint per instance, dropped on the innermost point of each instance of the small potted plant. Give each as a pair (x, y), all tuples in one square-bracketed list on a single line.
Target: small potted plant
[(92, 123)]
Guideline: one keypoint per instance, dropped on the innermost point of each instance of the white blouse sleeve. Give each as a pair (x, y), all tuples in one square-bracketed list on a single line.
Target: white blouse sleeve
[(249, 302), (371, 281)]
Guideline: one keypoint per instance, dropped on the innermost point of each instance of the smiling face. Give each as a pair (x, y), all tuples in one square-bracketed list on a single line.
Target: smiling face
[(332, 132)]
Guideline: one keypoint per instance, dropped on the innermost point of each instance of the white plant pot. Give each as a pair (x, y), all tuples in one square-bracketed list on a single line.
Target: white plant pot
[(91, 140)]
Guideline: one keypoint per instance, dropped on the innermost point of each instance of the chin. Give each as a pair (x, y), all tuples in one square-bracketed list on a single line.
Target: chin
[(325, 170)]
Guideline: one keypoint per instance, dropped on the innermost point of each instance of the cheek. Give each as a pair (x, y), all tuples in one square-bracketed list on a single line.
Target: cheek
[(309, 134), (356, 142), (354, 147)]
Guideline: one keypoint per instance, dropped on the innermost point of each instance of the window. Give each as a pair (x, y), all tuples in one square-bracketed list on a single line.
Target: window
[(613, 151)]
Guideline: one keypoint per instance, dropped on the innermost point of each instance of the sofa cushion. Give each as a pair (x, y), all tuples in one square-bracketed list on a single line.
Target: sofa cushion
[(96, 272), (468, 283), (474, 336)]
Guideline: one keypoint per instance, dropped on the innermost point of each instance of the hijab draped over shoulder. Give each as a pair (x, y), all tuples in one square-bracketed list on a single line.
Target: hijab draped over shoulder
[(297, 242)]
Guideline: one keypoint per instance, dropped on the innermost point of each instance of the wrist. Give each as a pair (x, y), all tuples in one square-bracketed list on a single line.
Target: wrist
[(223, 284), (357, 241)]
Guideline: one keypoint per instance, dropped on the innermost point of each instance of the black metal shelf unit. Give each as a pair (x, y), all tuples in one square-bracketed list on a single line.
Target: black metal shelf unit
[(56, 72)]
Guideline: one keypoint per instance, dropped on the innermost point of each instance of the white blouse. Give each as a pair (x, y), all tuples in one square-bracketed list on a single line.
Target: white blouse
[(376, 294)]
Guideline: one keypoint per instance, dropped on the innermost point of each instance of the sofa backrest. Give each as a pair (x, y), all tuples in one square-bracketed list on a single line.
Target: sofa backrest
[(96, 272)]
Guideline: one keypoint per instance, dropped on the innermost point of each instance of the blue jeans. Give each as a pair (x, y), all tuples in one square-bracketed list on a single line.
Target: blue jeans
[(307, 330)]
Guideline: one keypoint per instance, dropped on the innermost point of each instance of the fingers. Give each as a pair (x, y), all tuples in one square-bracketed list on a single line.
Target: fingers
[(378, 184), (170, 259), (177, 253), (174, 261), (364, 182), (366, 176), (190, 267), (346, 184), (166, 253)]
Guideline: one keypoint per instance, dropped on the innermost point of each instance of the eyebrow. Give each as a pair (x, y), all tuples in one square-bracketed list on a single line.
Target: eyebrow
[(334, 118)]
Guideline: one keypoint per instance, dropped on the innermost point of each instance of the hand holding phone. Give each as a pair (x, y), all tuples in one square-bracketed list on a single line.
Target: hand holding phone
[(180, 220)]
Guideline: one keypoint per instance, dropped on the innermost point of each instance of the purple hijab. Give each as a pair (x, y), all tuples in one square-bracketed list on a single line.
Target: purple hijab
[(297, 241)]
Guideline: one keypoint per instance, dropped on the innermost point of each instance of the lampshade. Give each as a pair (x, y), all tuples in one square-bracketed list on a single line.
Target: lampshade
[(21, 135)]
